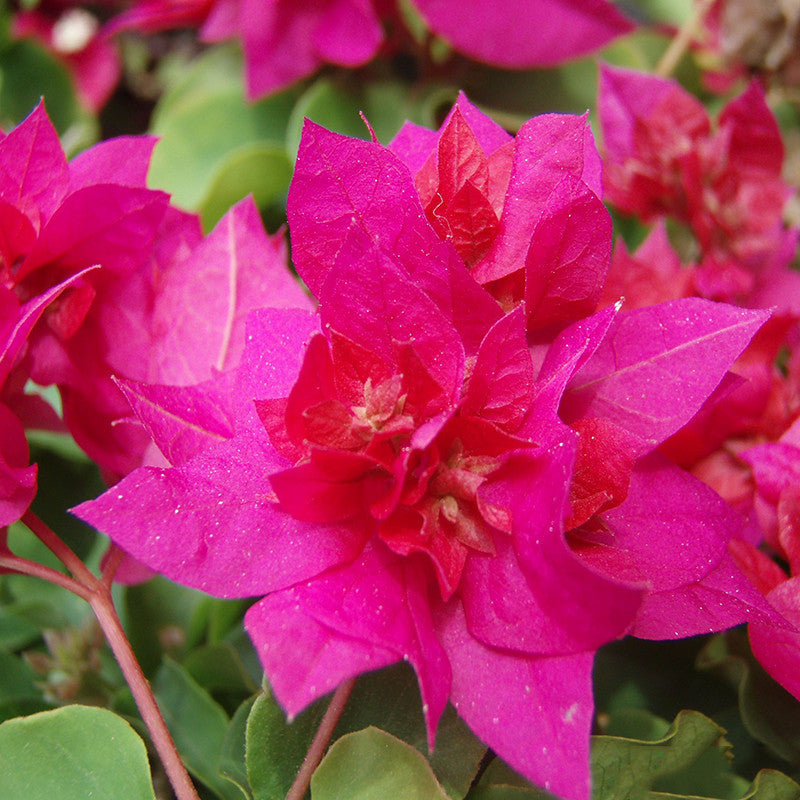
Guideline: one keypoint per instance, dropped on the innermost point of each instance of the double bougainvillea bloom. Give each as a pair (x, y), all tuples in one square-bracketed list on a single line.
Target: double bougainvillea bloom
[(287, 40), (663, 157), (418, 472)]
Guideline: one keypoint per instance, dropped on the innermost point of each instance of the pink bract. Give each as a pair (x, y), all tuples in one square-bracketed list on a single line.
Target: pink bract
[(287, 40), (664, 157), (525, 33), (410, 473)]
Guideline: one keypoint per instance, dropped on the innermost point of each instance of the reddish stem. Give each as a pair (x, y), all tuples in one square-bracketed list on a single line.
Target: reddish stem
[(23, 566), (97, 592), (103, 606), (59, 549), (114, 558), (321, 740)]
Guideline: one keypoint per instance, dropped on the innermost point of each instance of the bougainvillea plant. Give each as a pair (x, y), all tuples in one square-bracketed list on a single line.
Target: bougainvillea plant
[(477, 478)]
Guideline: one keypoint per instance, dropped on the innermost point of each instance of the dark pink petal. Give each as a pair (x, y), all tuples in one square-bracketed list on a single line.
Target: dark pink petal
[(372, 303), (501, 384), (33, 167), (303, 659), (722, 599), (569, 351), (546, 149), (670, 511), (626, 96), (657, 365), (284, 43), (17, 478), (124, 160), (413, 144), (182, 421), (535, 713), (778, 648), (348, 32), (203, 302), (110, 225), (382, 599), (17, 234), (567, 263), (602, 475), (525, 33), (328, 487), (15, 336), (775, 465), (213, 524), (654, 273), (274, 350), (350, 197), (99, 419), (755, 141), (96, 70), (157, 15), (563, 600)]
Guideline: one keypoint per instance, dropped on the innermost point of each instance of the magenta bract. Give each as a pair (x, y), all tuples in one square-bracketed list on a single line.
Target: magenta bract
[(412, 473)]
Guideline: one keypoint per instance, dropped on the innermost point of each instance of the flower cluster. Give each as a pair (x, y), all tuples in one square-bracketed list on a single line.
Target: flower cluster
[(455, 461)]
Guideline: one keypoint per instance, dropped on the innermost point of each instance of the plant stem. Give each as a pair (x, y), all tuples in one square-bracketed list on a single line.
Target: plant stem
[(97, 592), (60, 550), (103, 607), (23, 566), (321, 740), (113, 560), (679, 45)]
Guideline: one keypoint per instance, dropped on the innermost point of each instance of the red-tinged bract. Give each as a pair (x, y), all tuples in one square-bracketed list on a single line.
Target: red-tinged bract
[(423, 471), (664, 157)]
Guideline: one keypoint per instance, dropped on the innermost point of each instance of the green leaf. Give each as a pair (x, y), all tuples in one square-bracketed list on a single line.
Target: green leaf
[(275, 749), (204, 119), (16, 630), (768, 711), (232, 763), (198, 726), (19, 694), (389, 699), (72, 753), (770, 784), (218, 667), (262, 170), (157, 615), (373, 765), (385, 104), (627, 769)]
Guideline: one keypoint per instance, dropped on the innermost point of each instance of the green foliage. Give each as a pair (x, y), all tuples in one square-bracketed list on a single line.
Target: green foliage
[(630, 768), (197, 724), (373, 765), (768, 711), (72, 754)]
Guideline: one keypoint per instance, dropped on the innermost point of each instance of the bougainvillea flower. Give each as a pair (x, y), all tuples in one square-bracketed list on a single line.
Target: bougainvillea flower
[(405, 478), (287, 40), (72, 35), (59, 219), (524, 214), (663, 157)]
